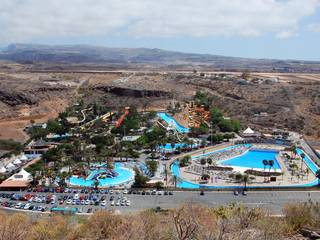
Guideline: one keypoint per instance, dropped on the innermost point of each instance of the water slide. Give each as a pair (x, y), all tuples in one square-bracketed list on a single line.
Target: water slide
[(104, 117), (121, 119)]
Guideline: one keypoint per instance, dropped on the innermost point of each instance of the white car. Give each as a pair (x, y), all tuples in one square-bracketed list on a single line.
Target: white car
[(128, 203), (87, 202), (69, 201), (76, 197), (18, 205), (104, 203), (125, 191), (26, 207), (118, 203)]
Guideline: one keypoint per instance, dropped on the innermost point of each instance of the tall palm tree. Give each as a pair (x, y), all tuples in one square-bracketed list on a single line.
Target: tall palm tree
[(271, 164), (172, 146), (302, 155), (318, 176), (294, 150), (175, 181), (203, 162), (265, 164), (245, 179)]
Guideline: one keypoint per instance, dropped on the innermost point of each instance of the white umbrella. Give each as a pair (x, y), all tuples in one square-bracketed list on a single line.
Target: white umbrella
[(17, 161), (3, 170), (10, 167), (23, 158)]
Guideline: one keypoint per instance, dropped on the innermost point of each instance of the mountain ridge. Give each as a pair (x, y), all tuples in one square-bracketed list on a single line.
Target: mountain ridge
[(81, 53)]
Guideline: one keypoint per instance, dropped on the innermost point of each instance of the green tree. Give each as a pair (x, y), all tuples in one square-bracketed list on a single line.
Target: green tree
[(152, 166), (185, 161), (158, 185), (54, 126), (203, 161), (245, 179), (216, 116), (140, 181)]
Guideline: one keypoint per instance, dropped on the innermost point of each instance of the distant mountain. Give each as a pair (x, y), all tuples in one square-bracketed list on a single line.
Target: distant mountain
[(76, 54)]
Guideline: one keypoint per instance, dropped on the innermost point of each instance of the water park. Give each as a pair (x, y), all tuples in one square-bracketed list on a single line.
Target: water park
[(188, 145)]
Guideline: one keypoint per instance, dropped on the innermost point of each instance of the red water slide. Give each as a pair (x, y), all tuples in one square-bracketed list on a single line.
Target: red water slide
[(121, 119)]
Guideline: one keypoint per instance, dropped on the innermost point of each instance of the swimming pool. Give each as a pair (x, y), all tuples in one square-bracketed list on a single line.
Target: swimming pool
[(252, 159), (168, 146), (125, 175), (171, 121), (182, 183)]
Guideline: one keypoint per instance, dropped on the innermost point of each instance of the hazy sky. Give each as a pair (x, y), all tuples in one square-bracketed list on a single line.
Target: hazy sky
[(248, 28)]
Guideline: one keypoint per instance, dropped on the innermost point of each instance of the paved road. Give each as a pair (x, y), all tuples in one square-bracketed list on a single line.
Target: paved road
[(271, 201)]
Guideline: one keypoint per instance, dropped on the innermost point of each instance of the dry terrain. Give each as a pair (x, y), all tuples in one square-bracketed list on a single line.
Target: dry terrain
[(293, 102)]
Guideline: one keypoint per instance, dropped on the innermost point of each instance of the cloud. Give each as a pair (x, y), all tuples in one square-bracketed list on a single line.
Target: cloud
[(23, 20), (314, 27)]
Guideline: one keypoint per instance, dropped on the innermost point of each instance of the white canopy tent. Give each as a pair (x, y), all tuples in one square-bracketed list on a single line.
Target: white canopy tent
[(24, 158), (17, 161), (10, 167), (248, 131)]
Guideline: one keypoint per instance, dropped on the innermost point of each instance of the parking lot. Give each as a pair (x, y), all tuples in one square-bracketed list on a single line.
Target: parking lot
[(82, 201), (128, 201)]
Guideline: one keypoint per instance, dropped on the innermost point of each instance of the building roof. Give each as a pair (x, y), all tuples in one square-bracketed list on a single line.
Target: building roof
[(23, 175), (11, 184)]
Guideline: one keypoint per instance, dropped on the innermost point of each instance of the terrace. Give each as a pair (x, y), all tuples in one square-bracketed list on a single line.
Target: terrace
[(265, 166)]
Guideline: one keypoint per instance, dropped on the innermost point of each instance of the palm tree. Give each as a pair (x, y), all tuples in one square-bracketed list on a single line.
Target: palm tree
[(265, 164), (96, 183), (172, 146), (307, 172), (203, 162), (302, 155), (294, 150), (318, 176), (175, 181), (245, 179), (271, 164)]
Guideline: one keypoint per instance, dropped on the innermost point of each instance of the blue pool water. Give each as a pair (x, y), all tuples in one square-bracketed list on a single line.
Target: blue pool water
[(313, 167), (168, 146), (124, 176), (253, 159), (170, 120)]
